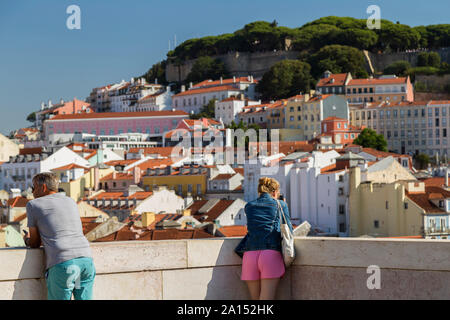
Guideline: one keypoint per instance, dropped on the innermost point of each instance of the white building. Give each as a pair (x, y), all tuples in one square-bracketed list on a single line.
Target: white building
[(156, 102), (197, 96), (124, 98), (18, 172), (228, 109)]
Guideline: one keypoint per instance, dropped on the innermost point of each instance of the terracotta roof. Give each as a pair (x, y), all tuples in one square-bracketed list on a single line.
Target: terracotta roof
[(368, 81), (70, 167), (206, 90), (224, 176), (18, 202), (209, 82), (105, 115), (339, 80), (20, 218), (169, 234), (423, 199), (119, 176), (434, 182), (239, 170), (121, 162), (26, 151), (139, 195), (213, 213), (233, 231), (156, 163), (334, 118), (382, 154)]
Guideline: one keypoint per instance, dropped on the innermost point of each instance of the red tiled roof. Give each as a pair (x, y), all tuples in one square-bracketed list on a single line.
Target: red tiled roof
[(233, 231), (239, 170), (30, 151), (209, 82), (205, 90), (20, 218), (121, 162), (374, 81), (70, 167), (223, 176), (139, 195), (119, 176), (434, 182), (339, 80), (213, 213), (105, 115), (17, 202), (422, 199), (334, 118)]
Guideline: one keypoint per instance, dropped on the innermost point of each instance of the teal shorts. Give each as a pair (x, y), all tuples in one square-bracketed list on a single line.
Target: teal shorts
[(75, 276)]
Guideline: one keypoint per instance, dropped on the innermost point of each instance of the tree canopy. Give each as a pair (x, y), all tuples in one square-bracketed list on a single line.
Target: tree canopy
[(338, 59), (399, 68), (285, 79), (369, 138), (206, 68)]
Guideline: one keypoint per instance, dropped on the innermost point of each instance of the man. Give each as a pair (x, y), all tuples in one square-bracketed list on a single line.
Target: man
[(54, 219)]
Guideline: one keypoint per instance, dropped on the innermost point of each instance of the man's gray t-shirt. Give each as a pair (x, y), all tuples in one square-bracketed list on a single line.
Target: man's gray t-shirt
[(58, 221)]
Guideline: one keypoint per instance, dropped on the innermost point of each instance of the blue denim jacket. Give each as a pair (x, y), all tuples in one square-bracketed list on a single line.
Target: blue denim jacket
[(263, 224)]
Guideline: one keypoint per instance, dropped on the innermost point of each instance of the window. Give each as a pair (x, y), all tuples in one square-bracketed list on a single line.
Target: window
[(342, 227), (342, 209), (406, 205), (341, 191), (387, 205), (376, 224)]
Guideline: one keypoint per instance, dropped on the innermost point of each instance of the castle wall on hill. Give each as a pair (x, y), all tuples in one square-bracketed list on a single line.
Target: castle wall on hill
[(381, 61), (237, 63)]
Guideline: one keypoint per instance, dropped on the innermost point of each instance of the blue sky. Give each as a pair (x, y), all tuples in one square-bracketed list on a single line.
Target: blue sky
[(40, 59)]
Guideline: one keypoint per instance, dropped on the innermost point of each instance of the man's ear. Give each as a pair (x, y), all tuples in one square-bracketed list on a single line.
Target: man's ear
[(44, 188)]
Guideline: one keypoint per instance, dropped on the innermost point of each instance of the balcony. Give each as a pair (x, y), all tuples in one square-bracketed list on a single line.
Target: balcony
[(326, 268)]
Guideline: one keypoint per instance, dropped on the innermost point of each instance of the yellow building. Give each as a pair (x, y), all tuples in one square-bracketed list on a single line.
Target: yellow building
[(7, 148), (183, 181), (383, 209), (76, 181)]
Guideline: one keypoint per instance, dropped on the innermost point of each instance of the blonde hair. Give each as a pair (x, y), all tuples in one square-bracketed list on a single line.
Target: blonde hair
[(268, 185)]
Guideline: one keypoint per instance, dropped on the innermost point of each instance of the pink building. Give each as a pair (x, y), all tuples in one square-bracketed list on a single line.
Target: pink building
[(112, 123)]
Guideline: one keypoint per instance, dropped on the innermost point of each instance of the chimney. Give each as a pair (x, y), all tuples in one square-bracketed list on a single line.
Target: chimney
[(446, 177), (142, 80), (132, 80), (156, 80), (114, 175), (42, 105), (234, 79), (190, 85), (136, 174), (96, 178), (147, 218), (248, 78), (221, 80), (183, 88), (50, 103)]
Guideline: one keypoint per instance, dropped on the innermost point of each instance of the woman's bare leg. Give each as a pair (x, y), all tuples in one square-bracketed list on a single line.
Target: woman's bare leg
[(254, 287), (269, 288)]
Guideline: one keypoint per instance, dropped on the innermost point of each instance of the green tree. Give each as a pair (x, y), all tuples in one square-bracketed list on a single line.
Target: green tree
[(207, 111), (423, 160), (157, 71), (206, 68), (285, 79), (338, 59), (429, 59), (369, 138), (32, 117), (399, 68)]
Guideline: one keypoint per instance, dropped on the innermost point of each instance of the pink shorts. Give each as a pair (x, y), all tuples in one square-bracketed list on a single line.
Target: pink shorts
[(262, 264)]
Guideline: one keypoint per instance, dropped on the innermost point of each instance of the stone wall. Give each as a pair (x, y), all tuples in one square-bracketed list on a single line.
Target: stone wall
[(381, 61), (326, 268), (239, 64)]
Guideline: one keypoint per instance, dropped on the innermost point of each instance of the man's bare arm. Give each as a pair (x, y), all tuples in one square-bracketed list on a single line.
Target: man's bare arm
[(35, 238)]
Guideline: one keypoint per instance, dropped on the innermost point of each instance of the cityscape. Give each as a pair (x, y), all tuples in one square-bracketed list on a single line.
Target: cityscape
[(352, 121)]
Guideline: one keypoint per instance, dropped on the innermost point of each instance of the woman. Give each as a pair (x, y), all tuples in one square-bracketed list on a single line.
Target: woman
[(263, 265)]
